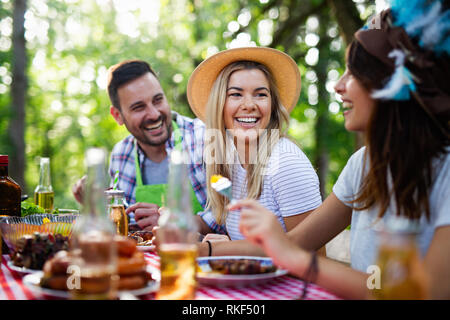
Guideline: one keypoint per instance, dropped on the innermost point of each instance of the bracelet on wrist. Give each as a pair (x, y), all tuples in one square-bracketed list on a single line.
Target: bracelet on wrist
[(311, 274), (209, 248)]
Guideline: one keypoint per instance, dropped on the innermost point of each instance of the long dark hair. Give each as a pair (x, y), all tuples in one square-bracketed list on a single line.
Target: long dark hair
[(402, 142)]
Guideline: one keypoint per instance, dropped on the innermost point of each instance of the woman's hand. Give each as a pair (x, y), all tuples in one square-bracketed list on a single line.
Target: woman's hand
[(261, 227), (78, 189), (257, 223), (145, 214)]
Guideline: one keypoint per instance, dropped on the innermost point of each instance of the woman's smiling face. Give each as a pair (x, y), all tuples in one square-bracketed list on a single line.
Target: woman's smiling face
[(248, 103), (357, 103)]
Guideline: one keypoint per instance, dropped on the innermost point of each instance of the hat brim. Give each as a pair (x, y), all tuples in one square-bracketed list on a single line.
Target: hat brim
[(283, 68)]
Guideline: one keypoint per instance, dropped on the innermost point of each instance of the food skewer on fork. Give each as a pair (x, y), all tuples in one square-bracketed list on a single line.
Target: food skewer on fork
[(223, 186)]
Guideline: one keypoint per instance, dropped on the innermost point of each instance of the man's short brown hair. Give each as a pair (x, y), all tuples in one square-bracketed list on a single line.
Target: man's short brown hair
[(122, 73)]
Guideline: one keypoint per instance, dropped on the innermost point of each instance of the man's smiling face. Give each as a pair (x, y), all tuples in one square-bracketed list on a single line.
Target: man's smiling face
[(144, 110)]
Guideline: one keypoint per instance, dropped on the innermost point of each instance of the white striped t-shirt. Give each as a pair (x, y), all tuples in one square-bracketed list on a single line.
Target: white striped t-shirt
[(291, 187)]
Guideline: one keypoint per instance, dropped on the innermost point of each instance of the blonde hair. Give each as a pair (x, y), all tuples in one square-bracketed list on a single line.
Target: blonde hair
[(279, 120)]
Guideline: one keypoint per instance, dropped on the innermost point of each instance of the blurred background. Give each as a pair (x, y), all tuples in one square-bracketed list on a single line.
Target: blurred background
[(54, 55)]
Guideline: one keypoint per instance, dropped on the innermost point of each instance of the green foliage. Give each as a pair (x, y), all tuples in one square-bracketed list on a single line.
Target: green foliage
[(67, 107), (29, 208)]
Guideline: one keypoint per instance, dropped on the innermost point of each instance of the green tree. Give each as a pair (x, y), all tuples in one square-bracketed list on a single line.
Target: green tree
[(71, 43)]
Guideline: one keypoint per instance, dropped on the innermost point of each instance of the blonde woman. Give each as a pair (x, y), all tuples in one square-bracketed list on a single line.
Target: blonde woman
[(244, 96)]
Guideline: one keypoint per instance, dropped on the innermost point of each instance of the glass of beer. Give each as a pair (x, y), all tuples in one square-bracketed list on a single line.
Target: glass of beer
[(403, 275), (177, 236), (94, 267), (178, 267), (116, 210)]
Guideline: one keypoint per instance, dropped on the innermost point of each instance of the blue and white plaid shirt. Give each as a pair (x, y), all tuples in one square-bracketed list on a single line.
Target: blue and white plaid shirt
[(123, 154)]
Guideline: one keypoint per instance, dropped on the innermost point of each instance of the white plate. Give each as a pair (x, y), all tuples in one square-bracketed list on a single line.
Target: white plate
[(216, 279), (32, 282), (21, 270)]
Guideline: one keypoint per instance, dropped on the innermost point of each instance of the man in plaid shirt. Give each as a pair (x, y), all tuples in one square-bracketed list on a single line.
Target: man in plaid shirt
[(123, 159), (139, 103)]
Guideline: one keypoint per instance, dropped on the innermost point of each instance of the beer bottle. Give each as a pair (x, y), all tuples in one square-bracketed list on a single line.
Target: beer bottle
[(43, 194), (178, 235), (92, 246), (10, 194), (116, 210)]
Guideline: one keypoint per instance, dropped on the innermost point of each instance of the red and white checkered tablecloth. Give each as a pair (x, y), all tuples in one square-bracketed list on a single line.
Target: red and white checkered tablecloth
[(281, 288)]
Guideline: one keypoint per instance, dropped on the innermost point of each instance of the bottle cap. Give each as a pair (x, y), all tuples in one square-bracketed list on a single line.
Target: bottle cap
[(3, 159)]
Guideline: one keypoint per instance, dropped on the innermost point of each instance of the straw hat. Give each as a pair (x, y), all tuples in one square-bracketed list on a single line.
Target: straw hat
[(283, 68)]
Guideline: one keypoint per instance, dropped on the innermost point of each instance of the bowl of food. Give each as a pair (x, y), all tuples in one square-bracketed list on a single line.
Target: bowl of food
[(14, 228), (134, 276), (143, 239), (29, 208), (32, 251)]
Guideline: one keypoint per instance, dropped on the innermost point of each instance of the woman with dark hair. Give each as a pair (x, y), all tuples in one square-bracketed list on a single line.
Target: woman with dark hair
[(395, 91)]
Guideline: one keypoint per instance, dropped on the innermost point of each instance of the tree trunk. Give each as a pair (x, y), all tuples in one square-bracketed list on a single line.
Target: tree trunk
[(321, 127), (18, 95), (321, 160), (347, 16)]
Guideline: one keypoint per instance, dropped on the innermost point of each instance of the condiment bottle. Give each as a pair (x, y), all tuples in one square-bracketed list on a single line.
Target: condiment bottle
[(10, 195), (43, 194), (92, 246), (116, 210), (177, 235), (402, 272)]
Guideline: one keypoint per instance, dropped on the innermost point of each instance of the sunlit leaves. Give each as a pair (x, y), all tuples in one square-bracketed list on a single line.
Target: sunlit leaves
[(71, 43)]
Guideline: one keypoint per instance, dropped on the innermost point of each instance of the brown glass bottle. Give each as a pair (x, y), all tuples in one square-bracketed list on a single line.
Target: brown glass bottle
[(10, 194), (10, 191)]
